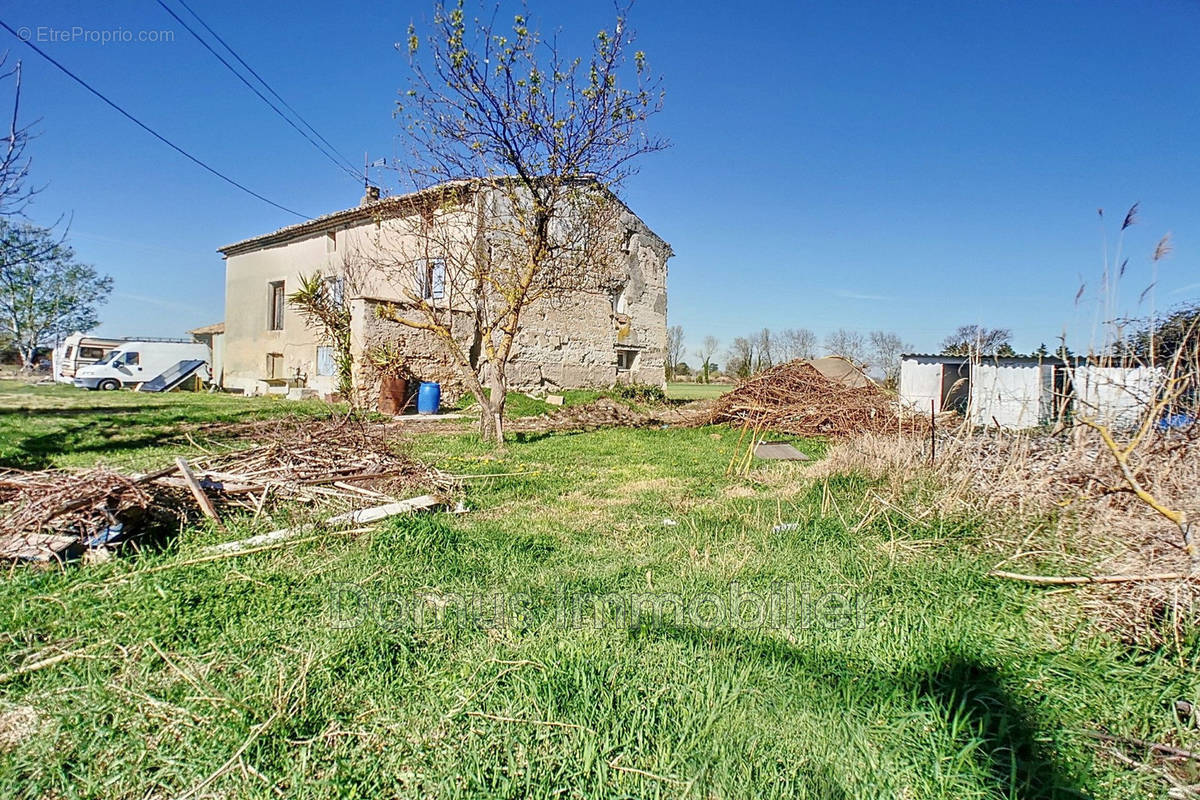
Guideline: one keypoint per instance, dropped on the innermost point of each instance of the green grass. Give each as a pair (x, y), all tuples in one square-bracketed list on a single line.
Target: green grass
[(45, 426), (519, 404), (696, 391), (386, 665)]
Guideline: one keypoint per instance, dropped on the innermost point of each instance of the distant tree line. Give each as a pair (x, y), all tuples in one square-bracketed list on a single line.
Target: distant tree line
[(746, 355)]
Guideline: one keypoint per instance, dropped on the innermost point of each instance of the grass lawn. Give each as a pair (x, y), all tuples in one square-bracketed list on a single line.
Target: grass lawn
[(622, 622), (49, 426), (696, 391)]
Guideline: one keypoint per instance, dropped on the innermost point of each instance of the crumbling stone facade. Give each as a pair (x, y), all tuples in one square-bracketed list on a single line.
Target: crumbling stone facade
[(582, 339)]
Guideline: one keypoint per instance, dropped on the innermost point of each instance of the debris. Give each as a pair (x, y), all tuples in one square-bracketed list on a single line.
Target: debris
[(50, 514), (668, 522), (365, 515), (778, 451), (1080, 580), (784, 527), (555, 399), (197, 491), (798, 399), (37, 547)]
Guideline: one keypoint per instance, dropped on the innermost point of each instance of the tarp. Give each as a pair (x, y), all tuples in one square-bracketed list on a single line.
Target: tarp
[(842, 371)]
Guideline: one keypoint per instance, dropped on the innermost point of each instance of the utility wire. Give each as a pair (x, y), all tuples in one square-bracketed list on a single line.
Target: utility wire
[(269, 88), (261, 96), (147, 128)]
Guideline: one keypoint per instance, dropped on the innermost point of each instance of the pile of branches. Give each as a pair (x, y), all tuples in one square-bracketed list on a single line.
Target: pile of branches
[(794, 398), (309, 461), (343, 463), (600, 413), (75, 504)]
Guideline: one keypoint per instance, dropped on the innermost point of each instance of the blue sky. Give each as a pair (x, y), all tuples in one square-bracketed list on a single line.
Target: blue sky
[(861, 165)]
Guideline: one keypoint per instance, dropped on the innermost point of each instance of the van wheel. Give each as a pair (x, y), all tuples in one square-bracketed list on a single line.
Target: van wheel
[(109, 385)]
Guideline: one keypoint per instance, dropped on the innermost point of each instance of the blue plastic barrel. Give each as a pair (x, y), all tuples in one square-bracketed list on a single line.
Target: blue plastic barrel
[(429, 398)]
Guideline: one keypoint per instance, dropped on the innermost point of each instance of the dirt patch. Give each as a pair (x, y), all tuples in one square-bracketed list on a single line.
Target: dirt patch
[(17, 725)]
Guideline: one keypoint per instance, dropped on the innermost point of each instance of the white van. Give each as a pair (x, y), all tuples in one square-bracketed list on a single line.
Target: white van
[(78, 351), (156, 366)]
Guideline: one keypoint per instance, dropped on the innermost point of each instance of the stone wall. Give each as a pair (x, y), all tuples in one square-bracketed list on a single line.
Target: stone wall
[(581, 340)]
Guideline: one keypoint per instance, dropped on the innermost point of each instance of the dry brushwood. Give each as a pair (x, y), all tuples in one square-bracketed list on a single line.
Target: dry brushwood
[(344, 463), (795, 398)]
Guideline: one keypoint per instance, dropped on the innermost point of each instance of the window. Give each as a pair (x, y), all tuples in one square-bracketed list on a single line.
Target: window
[(626, 359), (275, 305), (431, 279), (274, 365), (67, 353), (621, 301), (93, 353), (331, 242), (335, 288), (325, 361), (130, 359)]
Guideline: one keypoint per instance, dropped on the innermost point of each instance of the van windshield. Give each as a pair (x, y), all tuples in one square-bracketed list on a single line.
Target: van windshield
[(108, 357)]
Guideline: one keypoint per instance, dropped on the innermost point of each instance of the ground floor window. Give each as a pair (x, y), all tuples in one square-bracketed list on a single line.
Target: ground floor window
[(325, 362), (627, 359), (274, 365)]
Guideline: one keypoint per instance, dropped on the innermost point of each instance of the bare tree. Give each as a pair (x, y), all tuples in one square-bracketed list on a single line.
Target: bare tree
[(886, 349), (705, 353), (797, 343), (740, 358), (848, 344), (530, 144), (674, 349), (15, 193), (976, 340), (764, 357)]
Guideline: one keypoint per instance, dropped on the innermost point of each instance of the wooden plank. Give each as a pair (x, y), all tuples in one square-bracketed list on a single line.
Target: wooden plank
[(363, 515), (202, 499), (36, 546)]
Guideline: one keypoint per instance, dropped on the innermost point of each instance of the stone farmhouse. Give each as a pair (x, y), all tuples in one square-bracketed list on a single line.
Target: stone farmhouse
[(580, 339)]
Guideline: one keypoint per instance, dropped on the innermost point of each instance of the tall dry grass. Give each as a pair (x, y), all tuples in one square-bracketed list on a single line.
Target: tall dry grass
[(1053, 505)]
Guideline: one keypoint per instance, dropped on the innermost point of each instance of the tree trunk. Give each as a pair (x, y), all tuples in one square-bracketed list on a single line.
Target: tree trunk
[(499, 390)]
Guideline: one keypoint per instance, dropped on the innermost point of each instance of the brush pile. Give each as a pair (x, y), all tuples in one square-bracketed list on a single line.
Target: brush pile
[(339, 463), (795, 398), (601, 413)]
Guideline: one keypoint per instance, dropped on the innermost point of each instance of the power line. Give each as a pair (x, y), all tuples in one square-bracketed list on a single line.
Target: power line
[(269, 88), (146, 127), (254, 89)]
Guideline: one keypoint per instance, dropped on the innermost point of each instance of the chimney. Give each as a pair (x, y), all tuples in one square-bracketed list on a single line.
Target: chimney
[(371, 195)]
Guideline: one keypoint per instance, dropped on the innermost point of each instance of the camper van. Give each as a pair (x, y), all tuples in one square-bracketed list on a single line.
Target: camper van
[(78, 351), (152, 366)]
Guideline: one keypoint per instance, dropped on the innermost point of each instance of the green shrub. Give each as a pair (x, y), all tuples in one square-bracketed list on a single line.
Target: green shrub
[(640, 393)]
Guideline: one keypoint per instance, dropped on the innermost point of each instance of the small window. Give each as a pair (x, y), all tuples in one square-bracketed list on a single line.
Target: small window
[(627, 360), (431, 279), (325, 361), (275, 305), (621, 301), (93, 353), (331, 242), (130, 359), (67, 353), (274, 365), (335, 289)]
